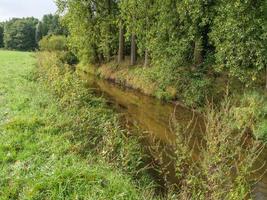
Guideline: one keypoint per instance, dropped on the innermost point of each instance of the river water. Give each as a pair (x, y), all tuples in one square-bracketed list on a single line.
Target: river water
[(155, 117)]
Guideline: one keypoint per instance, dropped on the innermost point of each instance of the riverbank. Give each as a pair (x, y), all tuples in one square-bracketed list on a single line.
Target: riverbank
[(60, 142), (196, 94), (130, 77), (191, 89)]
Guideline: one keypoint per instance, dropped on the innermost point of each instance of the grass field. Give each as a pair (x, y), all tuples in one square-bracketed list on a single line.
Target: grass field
[(38, 158)]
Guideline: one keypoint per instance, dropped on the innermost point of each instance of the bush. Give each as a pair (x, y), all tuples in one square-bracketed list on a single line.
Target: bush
[(53, 43), (226, 157), (68, 57), (58, 43), (194, 88), (254, 104)]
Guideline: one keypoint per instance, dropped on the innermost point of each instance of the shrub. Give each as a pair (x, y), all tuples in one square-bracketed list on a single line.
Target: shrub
[(226, 157), (254, 105), (58, 44), (68, 57), (194, 88), (53, 43)]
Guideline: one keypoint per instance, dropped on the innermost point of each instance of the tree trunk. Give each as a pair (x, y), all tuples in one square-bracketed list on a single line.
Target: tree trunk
[(133, 49), (109, 30), (121, 45), (95, 57), (146, 58), (266, 78), (198, 52)]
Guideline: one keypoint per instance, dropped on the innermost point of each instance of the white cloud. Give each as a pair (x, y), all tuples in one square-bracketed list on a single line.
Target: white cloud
[(25, 8)]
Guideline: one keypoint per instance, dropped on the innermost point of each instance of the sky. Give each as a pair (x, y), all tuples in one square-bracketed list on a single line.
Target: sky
[(25, 8)]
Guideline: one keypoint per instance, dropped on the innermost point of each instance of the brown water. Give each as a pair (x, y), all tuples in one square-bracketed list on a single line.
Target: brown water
[(154, 117)]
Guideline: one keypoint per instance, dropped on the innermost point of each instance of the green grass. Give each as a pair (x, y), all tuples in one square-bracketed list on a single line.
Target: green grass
[(44, 153), (189, 87)]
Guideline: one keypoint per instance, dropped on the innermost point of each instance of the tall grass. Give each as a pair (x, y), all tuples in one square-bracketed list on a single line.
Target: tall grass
[(58, 141), (226, 155)]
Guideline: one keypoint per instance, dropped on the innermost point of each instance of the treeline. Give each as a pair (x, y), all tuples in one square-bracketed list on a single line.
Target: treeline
[(228, 35), (25, 33)]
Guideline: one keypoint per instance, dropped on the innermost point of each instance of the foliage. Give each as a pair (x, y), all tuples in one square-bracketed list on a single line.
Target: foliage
[(103, 135), (191, 88), (239, 35), (25, 33), (178, 36), (1, 36), (137, 17), (20, 34), (49, 25), (195, 88), (253, 106), (53, 43), (38, 32), (58, 45), (91, 24), (227, 155)]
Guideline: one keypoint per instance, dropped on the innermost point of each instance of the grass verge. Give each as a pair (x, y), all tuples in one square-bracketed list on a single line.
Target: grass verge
[(58, 141)]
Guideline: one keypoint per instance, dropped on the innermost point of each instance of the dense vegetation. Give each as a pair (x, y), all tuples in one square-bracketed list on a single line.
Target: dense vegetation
[(226, 148), (190, 45), (53, 43), (1, 36), (25, 33), (60, 141), (194, 52), (20, 34), (50, 25)]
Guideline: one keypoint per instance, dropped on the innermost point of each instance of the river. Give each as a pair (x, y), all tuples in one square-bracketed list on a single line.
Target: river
[(155, 117)]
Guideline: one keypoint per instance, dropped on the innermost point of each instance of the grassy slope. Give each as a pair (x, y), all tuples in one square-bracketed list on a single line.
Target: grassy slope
[(37, 160), (133, 77), (161, 82)]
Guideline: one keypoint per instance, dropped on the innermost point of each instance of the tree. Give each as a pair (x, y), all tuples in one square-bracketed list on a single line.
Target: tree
[(39, 32), (196, 17), (1, 36), (128, 13), (53, 43), (121, 55), (50, 25), (165, 37), (133, 49), (239, 35), (144, 15), (19, 34), (172, 35), (93, 28)]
